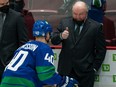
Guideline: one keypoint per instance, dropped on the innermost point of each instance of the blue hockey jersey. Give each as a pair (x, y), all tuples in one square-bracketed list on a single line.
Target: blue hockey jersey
[(31, 66)]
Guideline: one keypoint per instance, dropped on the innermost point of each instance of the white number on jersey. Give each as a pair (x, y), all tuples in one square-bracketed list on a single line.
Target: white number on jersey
[(22, 55), (49, 58)]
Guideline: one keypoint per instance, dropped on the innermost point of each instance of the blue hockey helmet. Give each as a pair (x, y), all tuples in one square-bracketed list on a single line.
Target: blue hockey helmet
[(41, 28)]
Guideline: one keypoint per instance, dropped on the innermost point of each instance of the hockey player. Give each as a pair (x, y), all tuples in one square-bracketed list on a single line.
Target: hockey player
[(33, 63)]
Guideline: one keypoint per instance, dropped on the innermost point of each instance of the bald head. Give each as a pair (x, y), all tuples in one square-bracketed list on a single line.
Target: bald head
[(80, 5), (79, 10)]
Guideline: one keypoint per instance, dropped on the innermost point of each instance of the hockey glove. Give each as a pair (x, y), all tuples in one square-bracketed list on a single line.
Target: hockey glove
[(68, 82)]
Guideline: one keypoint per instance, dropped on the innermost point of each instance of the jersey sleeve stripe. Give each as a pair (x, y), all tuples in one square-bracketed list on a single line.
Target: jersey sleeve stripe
[(16, 82), (45, 73)]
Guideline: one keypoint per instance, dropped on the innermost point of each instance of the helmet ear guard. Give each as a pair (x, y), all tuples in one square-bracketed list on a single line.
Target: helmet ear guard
[(41, 28)]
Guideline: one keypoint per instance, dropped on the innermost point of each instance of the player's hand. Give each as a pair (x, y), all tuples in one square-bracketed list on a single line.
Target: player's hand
[(65, 33), (68, 82)]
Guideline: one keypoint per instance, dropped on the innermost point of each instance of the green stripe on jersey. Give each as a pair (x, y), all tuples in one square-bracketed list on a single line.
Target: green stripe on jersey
[(16, 82), (45, 72)]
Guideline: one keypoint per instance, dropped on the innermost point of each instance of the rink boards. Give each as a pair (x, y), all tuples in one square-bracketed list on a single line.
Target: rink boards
[(106, 76)]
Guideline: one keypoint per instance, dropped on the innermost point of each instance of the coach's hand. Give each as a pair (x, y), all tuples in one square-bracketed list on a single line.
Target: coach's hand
[(65, 33)]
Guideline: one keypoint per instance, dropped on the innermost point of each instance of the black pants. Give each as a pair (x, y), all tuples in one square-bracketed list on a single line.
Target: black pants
[(85, 80), (1, 72)]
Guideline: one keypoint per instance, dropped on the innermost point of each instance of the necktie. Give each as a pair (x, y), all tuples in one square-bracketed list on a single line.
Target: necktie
[(77, 32), (1, 24)]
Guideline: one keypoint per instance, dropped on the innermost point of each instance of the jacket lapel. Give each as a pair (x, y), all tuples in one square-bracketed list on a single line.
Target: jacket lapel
[(6, 21), (7, 17), (72, 30)]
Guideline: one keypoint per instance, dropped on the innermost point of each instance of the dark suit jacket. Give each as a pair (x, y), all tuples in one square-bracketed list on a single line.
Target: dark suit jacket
[(84, 54), (14, 34)]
